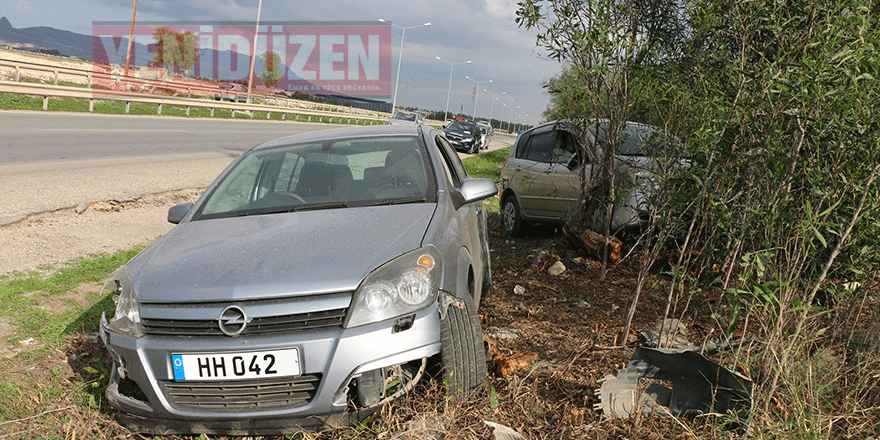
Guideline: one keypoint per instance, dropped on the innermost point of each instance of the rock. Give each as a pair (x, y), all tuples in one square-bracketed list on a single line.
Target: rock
[(430, 428), (519, 290), (27, 342), (671, 326), (576, 303), (579, 261), (502, 432), (502, 333), (81, 208), (556, 269)]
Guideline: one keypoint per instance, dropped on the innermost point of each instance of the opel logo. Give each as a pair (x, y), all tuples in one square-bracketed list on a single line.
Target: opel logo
[(232, 321)]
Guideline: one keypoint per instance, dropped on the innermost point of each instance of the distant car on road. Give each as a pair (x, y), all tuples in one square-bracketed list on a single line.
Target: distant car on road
[(406, 118), (231, 92), (486, 132), (319, 277), (464, 135), (540, 179)]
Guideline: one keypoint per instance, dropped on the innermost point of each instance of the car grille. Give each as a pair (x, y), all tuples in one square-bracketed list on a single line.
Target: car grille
[(256, 326), (237, 396)]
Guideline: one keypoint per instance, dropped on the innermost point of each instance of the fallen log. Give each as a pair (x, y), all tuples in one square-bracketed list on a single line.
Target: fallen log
[(591, 244)]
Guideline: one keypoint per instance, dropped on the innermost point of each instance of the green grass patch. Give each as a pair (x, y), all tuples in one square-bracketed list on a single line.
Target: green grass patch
[(24, 297), (68, 105), (20, 102), (488, 166)]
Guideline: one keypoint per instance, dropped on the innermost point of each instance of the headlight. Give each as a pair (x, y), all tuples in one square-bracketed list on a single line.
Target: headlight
[(403, 285), (127, 318), (467, 140)]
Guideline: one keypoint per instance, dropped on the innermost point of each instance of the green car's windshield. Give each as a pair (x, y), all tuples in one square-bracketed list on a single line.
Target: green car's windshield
[(324, 175)]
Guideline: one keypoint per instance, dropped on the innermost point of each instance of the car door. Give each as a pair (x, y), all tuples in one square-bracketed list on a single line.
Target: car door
[(565, 174), (531, 178), (471, 220)]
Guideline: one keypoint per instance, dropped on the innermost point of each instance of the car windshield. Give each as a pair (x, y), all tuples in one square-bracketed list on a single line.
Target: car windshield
[(405, 116), (324, 175), (461, 126)]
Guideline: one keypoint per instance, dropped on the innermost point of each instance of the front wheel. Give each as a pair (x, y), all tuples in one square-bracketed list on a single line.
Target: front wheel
[(462, 352), (510, 216)]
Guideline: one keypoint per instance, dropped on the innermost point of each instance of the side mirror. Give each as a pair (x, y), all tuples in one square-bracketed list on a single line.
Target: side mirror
[(472, 190), (178, 212)]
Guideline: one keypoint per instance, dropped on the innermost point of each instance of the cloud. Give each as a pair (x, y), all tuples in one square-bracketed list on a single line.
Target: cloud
[(23, 6)]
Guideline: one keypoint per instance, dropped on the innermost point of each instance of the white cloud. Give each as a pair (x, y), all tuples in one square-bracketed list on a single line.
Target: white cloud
[(23, 6), (501, 8)]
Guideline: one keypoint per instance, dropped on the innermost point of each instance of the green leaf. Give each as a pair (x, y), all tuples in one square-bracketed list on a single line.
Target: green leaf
[(493, 398), (819, 236)]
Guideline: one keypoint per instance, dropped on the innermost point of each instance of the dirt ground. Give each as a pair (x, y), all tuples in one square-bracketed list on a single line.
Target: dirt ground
[(52, 238)]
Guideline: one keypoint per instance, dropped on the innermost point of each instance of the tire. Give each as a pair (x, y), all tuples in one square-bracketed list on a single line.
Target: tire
[(511, 219), (475, 148), (462, 354)]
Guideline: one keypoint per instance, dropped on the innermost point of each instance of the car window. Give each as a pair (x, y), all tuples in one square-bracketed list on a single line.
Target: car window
[(564, 148), (349, 172), (540, 147), (451, 162), (521, 143)]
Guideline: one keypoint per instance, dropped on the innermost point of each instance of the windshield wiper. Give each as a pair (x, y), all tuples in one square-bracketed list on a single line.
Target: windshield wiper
[(419, 199), (319, 206)]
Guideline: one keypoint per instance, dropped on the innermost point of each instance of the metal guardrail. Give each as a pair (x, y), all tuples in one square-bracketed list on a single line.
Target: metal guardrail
[(46, 91), (105, 74)]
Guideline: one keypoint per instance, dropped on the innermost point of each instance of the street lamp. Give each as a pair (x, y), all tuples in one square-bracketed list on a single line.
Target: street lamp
[(449, 91), (492, 108), (400, 56), (476, 93)]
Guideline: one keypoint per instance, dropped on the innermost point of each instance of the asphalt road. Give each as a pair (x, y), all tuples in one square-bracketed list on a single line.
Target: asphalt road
[(51, 161)]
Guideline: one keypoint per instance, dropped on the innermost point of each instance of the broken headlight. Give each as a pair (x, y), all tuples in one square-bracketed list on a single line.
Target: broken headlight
[(403, 285), (127, 318)]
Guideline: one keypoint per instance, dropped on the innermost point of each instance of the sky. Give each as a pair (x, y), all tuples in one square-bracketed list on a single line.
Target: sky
[(481, 31)]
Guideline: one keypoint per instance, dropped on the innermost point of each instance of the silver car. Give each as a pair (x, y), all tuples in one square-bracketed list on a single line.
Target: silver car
[(541, 181), (319, 277)]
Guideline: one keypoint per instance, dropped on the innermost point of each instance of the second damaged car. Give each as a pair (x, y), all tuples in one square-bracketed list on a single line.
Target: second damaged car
[(316, 279)]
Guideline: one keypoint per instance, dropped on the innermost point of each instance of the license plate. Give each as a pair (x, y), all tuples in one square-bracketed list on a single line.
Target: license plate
[(234, 366)]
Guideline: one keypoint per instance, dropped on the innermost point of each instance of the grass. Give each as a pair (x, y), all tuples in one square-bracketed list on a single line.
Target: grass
[(488, 166), (9, 101), (23, 297)]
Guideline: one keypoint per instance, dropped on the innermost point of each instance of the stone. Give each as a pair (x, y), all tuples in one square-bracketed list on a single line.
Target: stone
[(556, 269)]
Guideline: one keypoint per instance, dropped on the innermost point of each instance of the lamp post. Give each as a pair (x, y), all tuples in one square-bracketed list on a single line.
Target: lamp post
[(476, 93), (400, 56), (449, 91), (492, 108)]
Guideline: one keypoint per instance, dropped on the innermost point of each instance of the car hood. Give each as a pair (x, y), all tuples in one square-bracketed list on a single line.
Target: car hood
[(278, 255)]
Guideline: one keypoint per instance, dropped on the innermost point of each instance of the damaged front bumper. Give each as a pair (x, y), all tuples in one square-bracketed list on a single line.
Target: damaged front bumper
[(344, 378)]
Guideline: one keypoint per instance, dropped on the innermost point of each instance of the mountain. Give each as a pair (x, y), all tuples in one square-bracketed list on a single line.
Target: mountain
[(42, 37)]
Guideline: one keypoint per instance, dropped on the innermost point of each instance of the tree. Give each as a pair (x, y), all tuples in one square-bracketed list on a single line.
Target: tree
[(271, 68), (604, 42), (176, 51)]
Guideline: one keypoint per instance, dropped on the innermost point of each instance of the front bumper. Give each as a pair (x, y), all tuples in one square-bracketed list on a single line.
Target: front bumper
[(330, 359)]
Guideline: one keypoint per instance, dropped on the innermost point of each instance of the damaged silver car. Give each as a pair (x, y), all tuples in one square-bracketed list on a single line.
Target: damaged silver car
[(318, 277)]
